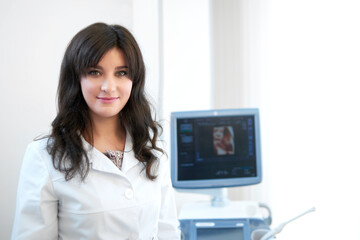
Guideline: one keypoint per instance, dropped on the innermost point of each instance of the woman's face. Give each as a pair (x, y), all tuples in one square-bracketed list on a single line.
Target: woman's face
[(106, 87)]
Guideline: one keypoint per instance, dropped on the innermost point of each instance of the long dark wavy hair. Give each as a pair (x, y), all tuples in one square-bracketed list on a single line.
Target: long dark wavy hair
[(73, 120)]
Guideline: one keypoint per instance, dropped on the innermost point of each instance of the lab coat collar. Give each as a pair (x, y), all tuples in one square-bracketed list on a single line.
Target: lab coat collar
[(129, 160), (100, 162)]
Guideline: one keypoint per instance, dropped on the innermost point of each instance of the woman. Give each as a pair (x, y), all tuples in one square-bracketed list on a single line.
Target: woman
[(99, 174)]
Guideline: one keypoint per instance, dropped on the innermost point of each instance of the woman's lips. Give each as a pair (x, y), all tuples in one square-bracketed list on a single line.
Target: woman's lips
[(107, 100)]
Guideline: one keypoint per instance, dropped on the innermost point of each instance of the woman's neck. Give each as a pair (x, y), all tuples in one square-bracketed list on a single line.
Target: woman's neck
[(108, 134)]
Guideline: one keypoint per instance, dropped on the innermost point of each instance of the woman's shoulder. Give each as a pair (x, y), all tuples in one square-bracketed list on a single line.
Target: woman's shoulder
[(37, 154), (38, 145)]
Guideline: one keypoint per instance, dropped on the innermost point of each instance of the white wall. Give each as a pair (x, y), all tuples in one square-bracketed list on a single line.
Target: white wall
[(186, 39), (34, 35), (311, 116), (147, 31)]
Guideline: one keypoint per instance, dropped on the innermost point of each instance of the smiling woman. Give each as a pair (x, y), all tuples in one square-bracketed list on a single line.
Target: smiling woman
[(106, 87), (101, 173)]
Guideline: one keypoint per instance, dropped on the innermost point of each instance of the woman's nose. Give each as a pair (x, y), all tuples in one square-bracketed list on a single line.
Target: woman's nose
[(108, 85)]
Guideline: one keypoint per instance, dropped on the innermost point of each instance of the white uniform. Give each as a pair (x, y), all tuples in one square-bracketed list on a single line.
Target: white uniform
[(109, 204)]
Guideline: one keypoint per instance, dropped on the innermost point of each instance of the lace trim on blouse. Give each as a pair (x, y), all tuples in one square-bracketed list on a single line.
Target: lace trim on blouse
[(115, 156)]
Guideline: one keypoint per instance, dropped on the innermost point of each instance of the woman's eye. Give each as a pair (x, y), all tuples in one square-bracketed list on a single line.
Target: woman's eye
[(121, 73), (94, 73)]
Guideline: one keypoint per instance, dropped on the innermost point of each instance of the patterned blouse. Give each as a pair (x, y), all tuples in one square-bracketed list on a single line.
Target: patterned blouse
[(115, 156)]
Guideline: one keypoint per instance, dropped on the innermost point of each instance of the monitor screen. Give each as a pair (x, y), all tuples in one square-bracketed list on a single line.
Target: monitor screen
[(215, 148)]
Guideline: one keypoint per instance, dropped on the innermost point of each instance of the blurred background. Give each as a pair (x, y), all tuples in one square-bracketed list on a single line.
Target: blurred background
[(297, 61)]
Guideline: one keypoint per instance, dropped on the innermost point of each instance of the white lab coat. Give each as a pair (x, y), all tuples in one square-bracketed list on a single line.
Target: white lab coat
[(109, 204)]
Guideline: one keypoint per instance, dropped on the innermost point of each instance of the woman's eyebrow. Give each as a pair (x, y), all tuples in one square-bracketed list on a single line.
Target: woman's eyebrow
[(118, 67), (121, 67), (97, 67)]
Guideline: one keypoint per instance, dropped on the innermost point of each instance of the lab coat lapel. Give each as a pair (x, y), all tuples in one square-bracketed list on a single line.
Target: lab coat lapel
[(129, 160), (98, 160), (102, 163)]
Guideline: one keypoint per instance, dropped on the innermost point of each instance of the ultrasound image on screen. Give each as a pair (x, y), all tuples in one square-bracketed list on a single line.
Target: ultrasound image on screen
[(216, 147), (223, 140)]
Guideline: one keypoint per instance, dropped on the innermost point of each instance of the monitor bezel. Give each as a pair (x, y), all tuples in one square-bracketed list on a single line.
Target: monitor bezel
[(216, 183)]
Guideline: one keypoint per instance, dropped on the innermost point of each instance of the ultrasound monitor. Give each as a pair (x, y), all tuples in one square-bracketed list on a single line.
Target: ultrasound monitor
[(215, 148)]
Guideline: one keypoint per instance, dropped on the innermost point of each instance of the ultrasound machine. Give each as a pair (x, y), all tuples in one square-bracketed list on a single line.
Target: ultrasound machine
[(211, 151)]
